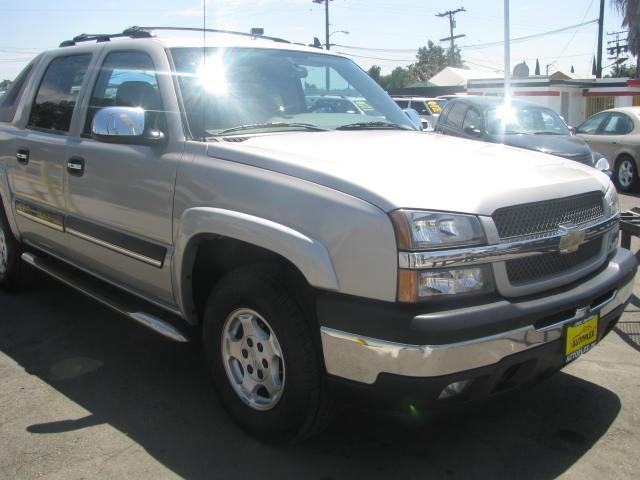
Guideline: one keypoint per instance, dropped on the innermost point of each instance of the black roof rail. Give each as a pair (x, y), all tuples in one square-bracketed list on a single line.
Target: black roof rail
[(134, 30), (104, 37), (145, 32)]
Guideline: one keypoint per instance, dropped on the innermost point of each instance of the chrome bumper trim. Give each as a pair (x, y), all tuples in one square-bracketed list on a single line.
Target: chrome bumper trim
[(362, 359), (500, 252)]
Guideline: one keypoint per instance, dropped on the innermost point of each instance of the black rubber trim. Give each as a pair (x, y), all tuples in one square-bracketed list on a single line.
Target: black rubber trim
[(407, 395), (443, 323), (118, 239)]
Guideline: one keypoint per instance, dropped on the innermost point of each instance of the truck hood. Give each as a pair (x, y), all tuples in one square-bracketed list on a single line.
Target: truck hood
[(404, 169)]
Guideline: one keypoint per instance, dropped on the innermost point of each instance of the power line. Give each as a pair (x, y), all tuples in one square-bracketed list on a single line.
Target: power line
[(530, 37)]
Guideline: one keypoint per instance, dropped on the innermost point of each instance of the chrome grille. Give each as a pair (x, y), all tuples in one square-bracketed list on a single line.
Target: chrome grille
[(543, 217), (530, 269)]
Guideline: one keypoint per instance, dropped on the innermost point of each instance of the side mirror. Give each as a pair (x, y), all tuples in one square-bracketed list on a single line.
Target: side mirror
[(572, 130), (472, 131), (414, 117), (123, 125)]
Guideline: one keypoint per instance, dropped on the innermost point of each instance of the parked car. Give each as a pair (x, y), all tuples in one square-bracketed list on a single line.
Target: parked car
[(616, 134), (525, 125), (428, 108), (341, 104), (319, 257)]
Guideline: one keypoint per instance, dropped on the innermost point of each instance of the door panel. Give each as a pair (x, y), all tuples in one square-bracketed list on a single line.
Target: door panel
[(36, 175), (120, 203)]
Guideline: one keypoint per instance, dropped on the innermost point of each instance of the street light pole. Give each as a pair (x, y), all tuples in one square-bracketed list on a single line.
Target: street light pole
[(507, 56)]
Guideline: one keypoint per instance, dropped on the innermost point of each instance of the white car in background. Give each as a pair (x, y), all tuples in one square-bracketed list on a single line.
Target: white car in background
[(428, 108)]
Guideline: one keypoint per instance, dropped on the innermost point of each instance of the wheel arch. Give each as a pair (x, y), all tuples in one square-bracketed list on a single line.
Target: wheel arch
[(222, 240)]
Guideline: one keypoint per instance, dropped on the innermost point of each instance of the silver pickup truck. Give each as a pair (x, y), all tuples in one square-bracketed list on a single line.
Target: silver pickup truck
[(320, 257)]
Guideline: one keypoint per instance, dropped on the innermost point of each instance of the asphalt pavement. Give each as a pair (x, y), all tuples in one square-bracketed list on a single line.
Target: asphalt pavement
[(85, 393)]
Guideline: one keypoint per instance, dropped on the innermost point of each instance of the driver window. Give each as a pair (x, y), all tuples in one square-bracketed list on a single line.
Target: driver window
[(590, 126), (127, 79), (472, 119)]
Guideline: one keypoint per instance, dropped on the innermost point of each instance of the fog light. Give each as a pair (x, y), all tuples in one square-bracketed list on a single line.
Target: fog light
[(454, 389)]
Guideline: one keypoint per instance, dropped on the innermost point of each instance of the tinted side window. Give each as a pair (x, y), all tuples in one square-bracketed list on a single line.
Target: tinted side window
[(591, 124), (402, 103), (10, 100), (472, 119), (126, 79), (616, 124), (57, 93), (420, 107), (456, 115)]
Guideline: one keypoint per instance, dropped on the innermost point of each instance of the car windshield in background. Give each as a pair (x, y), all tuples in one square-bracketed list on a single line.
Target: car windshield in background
[(250, 90), (528, 120)]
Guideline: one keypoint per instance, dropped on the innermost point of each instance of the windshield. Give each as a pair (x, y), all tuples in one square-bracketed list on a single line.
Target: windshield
[(527, 120), (227, 91)]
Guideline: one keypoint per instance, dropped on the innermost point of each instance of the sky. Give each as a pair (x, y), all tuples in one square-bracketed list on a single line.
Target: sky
[(382, 32)]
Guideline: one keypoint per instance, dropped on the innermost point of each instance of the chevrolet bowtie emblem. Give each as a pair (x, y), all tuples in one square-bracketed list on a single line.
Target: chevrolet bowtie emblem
[(571, 238)]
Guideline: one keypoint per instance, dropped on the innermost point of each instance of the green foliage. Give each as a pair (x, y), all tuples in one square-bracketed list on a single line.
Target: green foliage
[(430, 60), (619, 71), (4, 84)]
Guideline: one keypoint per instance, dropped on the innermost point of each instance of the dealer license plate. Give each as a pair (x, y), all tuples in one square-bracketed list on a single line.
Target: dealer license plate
[(580, 337)]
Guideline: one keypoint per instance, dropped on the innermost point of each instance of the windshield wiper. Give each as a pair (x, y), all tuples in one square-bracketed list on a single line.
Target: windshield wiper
[(251, 126), (372, 126)]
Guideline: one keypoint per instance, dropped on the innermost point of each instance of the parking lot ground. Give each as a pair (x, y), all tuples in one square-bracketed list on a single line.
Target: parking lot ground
[(84, 393)]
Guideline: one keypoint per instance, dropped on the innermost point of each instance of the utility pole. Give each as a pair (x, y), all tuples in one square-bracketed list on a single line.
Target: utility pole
[(326, 37), (452, 25), (326, 21), (600, 32), (614, 49)]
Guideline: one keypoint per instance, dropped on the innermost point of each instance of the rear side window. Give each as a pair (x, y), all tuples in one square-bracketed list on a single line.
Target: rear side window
[(402, 103), (420, 107), (10, 100), (126, 79), (456, 115), (58, 93), (617, 124)]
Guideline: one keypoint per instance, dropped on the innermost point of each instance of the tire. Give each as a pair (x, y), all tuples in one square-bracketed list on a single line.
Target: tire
[(626, 174), (12, 269), (255, 298)]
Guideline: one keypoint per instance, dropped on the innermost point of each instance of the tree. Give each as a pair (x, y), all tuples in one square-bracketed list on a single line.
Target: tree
[(4, 84), (374, 72), (630, 10), (620, 71), (400, 77), (432, 58), (537, 71)]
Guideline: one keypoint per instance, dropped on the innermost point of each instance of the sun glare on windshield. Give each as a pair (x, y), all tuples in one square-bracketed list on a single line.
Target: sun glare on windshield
[(212, 75)]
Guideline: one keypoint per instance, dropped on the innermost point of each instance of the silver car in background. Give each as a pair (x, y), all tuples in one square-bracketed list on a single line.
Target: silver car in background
[(616, 134)]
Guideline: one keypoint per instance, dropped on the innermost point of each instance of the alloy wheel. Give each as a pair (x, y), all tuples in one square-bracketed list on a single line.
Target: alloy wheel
[(4, 254), (626, 173), (253, 359)]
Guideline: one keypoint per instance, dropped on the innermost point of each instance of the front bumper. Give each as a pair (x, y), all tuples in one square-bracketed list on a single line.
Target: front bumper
[(469, 338)]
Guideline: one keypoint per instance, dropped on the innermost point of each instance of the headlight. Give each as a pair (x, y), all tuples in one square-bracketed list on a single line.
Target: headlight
[(611, 201), (600, 162), (418, 285), (417, 229)]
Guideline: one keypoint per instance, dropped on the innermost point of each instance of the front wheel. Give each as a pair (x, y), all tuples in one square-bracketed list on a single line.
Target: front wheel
[(265, 364), (626, 174)]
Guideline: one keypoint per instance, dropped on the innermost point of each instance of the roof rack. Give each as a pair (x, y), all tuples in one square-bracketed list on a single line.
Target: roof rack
[(145, 32)]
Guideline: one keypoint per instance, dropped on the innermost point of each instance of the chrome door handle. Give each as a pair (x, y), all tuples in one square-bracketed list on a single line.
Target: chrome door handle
[(75, 166), (22, 156)]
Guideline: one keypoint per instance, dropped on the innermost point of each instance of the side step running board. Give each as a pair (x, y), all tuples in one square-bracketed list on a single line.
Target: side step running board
[(123, 303)]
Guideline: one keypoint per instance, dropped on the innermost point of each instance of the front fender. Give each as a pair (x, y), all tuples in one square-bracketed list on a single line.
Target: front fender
[(306, 253)]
